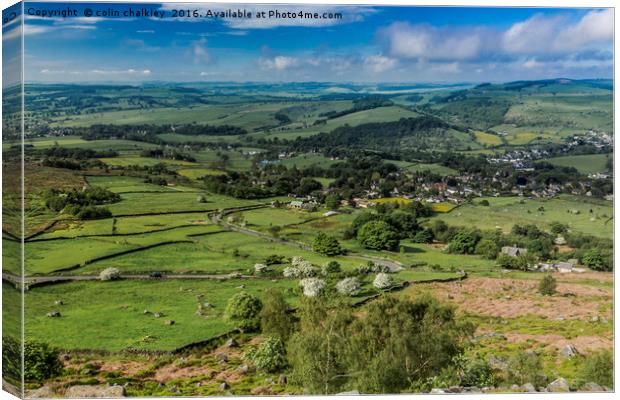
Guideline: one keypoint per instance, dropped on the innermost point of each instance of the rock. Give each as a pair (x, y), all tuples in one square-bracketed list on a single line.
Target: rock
[(209, 305), (86, 391), (174, 389), (270, 381), (260, 268), (158, 315), (241, 287), (222, 357), (498, 362), (146, 311), (454, 389), (282, 380), (595, 318), (169, 322), (559, 385), (262, 391), (243, 369), (53, 314), (437, 391), (472, 389), (515, 388), (231, 343), (592, 387), (560, 318), (224, 386), (528, 387), (569, 351), (44, 392), (349, 393), (59, 302)]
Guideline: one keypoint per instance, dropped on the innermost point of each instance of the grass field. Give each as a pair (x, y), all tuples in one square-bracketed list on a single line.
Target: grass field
[(197, 173), (434, 168), (110, 315), (50, 256), (139, 203), (570, 210), (125, 161), (129, 184), (488, 139), (586, 164)]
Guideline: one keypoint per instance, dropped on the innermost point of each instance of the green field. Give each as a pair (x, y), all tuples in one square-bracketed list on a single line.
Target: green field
[(504, 212), (586, 164), (125, 161), (110, 315)]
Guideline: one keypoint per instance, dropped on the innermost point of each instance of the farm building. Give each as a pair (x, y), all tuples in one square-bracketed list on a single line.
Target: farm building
[(513, 251)]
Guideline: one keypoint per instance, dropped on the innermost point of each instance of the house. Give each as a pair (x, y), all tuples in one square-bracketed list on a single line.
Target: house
[(329, 213), (564, 267), (296, 204), (513, 251)]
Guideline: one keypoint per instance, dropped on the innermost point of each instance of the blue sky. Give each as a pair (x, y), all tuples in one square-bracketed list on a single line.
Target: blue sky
[(369, 44)]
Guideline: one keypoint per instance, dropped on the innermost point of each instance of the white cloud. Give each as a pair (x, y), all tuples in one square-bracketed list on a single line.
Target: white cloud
[(146, 31), (555, 35), (278, 63), (424, 42), (379, 63)]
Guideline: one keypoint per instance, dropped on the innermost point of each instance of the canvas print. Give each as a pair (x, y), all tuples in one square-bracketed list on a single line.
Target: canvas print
[(209, 199)]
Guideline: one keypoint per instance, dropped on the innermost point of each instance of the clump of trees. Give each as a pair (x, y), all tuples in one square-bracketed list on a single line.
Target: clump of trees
[(81, 203)]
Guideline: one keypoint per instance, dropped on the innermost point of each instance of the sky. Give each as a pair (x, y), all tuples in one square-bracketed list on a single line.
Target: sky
[(368, 44)]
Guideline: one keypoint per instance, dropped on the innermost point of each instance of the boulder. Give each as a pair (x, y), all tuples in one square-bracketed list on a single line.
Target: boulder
[(558, 385), (169, 322), (349, 393), (158, 315), (437, 391), (89, 391), (59, 302), (222, 357), (592, 387), (569, 351), (515, 388), (224, 386), (53, 314), (231, 343), (282, 380), (528, 387)]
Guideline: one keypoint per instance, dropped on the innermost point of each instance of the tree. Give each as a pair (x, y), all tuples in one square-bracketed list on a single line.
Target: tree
[(487, 248), (331, 267), (594, 259), (332, 201), (326, 244), (109, 274), (399, 342), (312, 287), (275, 317), (404, 223), (349, 286), (316, 351), (547, 285), (244, 309), (41, 361), (378, 235), (423, 236), (383, 281), (558, 228), (599, 368), (464, 242)]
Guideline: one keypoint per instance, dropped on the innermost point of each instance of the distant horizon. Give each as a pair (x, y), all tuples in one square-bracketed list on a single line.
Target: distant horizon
[(403, 83), (365, 44)]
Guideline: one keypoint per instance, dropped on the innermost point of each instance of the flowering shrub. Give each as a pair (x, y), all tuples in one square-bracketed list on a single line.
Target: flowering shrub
[(312, 286), (383, 281), (291, 272), (349, 286), (270, 355), (109, 274)]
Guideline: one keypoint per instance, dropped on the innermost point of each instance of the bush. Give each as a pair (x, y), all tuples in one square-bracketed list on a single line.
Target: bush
[(547, 285), (599, 368), (109, 274), (291, 272), (464, 242), (477, 372), (383, 281), (423, 236), (41, 361), (378, 235), (332, 267), (487, 248), (243, 309), (270, 355), (307, 270), (312, 287), (525, 367), (260, 268), (276, 319), (349, 286), (327, 245), (594, 259)]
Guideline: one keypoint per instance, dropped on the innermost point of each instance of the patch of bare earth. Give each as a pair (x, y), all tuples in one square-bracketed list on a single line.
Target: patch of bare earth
[(512, 298), (583, 344)]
